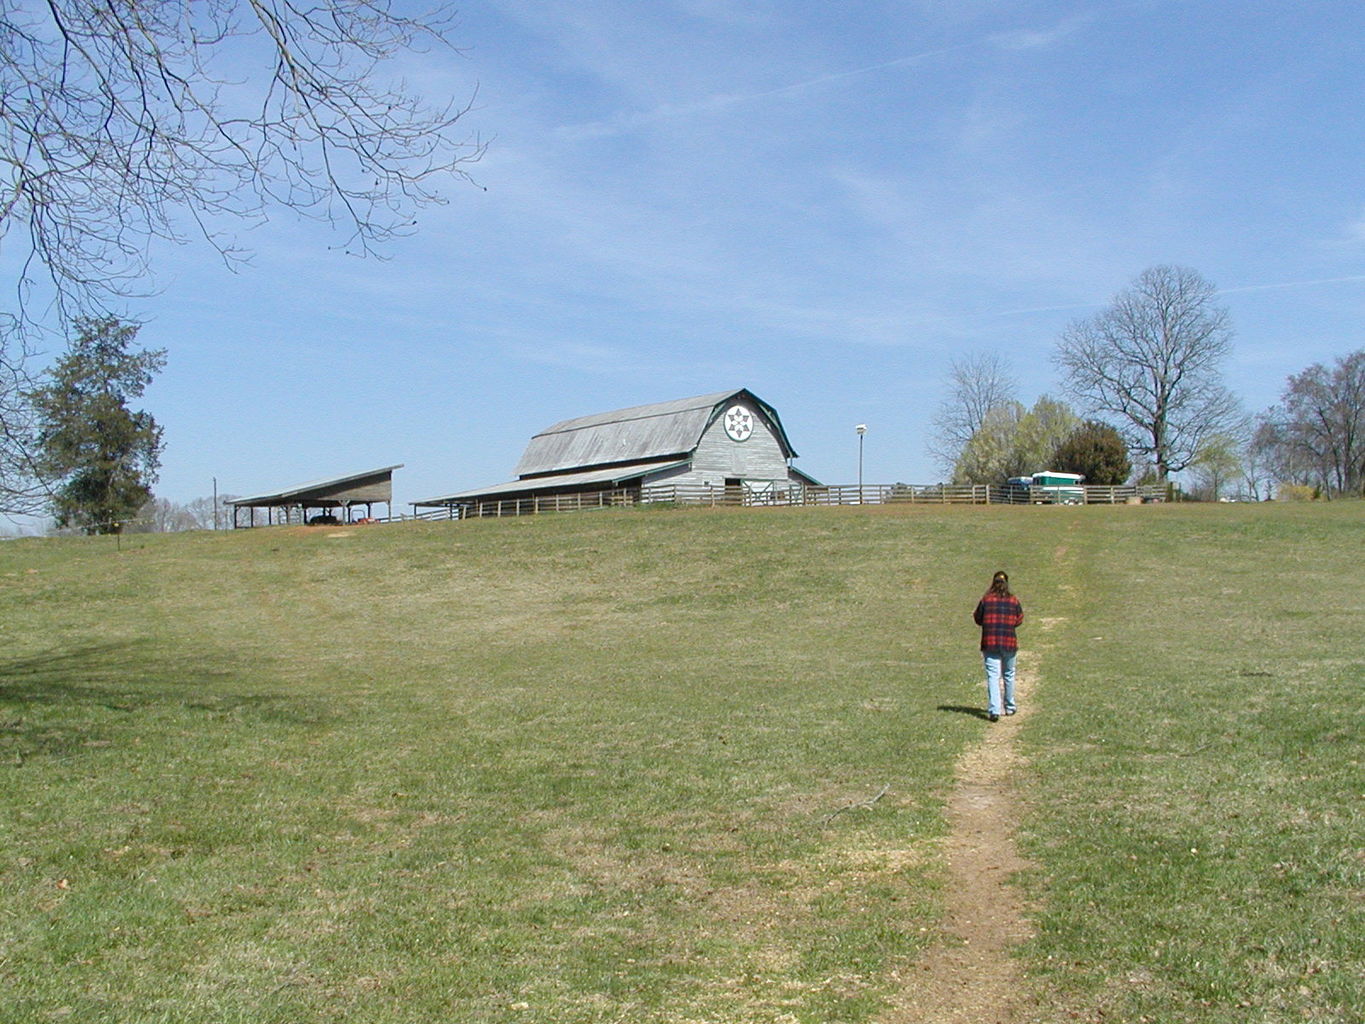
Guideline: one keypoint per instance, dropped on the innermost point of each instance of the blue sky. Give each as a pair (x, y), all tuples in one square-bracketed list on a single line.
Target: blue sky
[(824, 202)]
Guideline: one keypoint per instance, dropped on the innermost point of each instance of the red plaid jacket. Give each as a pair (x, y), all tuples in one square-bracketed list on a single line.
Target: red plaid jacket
[(998, 617)]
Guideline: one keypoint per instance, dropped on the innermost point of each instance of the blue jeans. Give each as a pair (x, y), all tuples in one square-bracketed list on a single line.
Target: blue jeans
[(999, 664)]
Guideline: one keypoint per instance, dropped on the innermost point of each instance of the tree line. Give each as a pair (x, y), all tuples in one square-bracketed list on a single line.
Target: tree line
[(1145, 374)]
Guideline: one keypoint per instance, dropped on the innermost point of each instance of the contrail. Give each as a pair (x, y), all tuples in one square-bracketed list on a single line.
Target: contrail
[(720, 101), (1353, 279), (835, 76), (1017, 40)]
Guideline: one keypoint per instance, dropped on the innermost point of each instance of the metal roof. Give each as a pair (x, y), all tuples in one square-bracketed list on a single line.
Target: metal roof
[(661, 430), (305, 490), (615, 475)]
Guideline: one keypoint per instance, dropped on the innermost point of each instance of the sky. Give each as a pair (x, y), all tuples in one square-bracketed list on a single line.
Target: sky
[(823, 202)]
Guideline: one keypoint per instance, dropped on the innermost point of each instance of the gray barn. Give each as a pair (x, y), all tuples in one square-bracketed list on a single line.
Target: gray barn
[(730, 442)]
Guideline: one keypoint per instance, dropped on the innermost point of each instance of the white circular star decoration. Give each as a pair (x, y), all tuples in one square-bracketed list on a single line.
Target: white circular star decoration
[(739, 423)]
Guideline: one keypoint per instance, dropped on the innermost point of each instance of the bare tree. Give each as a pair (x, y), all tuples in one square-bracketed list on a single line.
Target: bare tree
[(22, 491), (1259, 458), (1317, 436), (121, 123), (1153, 360), (977, 384), (1282, 462), (207, 516), (161, 515)]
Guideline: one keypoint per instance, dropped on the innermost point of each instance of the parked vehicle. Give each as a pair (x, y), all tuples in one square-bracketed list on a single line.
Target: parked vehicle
[(1059, 488), (1017, 489), (1047, 488)]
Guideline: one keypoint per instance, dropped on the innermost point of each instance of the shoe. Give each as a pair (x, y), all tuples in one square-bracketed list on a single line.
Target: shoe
[(1010, 711), (994, 718)]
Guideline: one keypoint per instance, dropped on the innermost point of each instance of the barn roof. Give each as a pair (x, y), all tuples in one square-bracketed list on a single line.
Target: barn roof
[(637, 434), (331, 489)]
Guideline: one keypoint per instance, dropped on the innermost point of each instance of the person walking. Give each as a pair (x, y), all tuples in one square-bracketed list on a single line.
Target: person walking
[(999, 614)]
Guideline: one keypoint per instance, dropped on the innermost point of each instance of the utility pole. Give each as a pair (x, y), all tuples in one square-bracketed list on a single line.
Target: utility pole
[(861, 428)]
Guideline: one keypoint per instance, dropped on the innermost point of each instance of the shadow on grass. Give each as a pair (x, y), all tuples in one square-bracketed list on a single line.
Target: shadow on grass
[(962, 709), (58, 702)]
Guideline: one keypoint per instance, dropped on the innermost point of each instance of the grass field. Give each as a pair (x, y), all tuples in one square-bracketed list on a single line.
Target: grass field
[(626, 766)]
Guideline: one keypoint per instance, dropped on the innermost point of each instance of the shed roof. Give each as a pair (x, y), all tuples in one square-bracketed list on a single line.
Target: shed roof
[(331, 489), (642, 432), (561, 481)]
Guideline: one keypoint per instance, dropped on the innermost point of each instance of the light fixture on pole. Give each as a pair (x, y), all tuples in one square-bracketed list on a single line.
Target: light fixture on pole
[(861, 428)]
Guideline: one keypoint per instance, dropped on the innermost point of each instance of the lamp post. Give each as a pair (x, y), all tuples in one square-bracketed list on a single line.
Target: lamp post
[(861, 428)]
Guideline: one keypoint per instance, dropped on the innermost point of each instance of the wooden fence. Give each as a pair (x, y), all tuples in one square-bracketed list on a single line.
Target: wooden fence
[(888, 494), (510, 507), (751, 497)]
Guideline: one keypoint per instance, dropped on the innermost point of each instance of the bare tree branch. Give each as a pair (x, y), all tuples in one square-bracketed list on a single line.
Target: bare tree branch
[(124, 123), (23, 491)]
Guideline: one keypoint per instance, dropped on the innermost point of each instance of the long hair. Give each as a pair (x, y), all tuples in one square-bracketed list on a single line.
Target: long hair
[(1000, 584)]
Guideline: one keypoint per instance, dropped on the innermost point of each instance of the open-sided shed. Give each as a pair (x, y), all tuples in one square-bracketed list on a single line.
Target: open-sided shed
[(322, 498)]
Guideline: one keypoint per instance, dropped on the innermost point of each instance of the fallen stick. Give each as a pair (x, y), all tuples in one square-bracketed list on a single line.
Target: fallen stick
[(849, 807)]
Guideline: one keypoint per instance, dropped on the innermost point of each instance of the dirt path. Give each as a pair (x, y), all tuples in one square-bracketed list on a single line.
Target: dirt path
[(971, 977)]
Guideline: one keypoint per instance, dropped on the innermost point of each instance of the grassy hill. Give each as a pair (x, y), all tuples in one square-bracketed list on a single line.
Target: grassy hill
[(626, 766)]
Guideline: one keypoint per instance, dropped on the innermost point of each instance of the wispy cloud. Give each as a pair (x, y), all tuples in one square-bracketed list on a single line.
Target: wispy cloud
[(573, 355), (1017, 40), (1355, 230)]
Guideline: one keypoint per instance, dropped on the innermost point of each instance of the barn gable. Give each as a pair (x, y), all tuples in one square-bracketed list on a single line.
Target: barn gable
[(720, 457)]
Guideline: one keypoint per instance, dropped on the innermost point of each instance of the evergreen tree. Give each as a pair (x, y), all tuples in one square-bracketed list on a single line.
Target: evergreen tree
[(99, 456), (1096, 451)]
